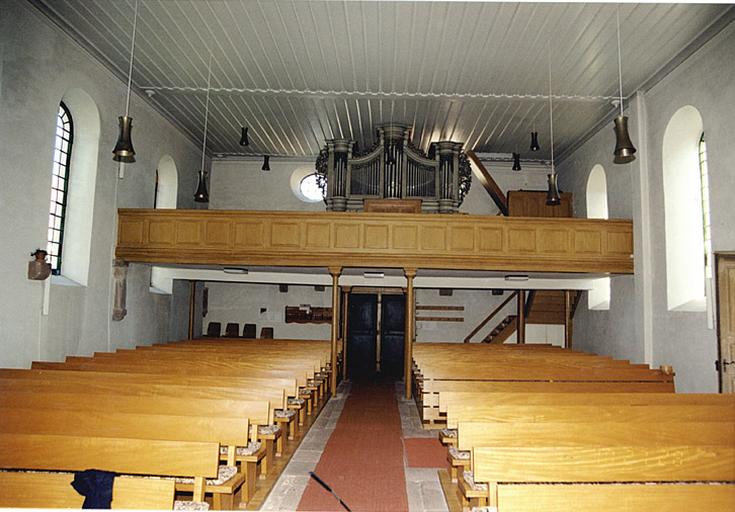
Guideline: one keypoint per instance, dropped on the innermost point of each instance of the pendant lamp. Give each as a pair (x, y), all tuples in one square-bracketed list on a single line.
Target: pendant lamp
[(534, 140), (624, 150), (552, 194), (124, 151), (266, 163), (517, 162), (244, 141), (201, 195)]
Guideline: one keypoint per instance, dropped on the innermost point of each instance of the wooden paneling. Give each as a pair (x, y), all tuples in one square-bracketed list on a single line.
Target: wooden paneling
[(469, 242)]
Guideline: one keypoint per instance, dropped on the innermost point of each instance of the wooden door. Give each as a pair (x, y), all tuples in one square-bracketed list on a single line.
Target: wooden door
[(392, 334), (725, 268), (362, 330)]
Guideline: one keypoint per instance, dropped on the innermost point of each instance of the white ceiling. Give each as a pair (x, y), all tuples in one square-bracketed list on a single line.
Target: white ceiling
[(299, 72)]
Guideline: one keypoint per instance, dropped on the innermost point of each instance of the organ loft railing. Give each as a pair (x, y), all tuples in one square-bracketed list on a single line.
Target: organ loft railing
[(394, 169)]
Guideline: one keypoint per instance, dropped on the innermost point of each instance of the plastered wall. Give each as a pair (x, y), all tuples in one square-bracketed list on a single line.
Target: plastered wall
[(639, 326), (38, 64)]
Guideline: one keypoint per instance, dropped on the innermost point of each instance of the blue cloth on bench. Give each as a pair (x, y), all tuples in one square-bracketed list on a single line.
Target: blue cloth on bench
[(96, 487)]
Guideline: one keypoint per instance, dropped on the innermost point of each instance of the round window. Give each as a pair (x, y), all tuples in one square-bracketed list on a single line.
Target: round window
[(310, 189)]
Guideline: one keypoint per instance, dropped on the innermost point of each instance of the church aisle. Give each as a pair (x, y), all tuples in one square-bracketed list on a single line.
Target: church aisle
[(363, 461), (377, 415)]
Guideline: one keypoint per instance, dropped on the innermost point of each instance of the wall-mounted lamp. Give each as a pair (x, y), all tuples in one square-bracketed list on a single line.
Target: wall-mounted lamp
[(244, 141), (234, 270), (38, 268), (373, 275)]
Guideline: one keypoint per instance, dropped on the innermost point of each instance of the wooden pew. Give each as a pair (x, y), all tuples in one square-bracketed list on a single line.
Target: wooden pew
[(604, 477), (642, 433), (229, 432), (468, 407), (86, 397), (54, 490), (22, 451), (150, 386), (189, 368)]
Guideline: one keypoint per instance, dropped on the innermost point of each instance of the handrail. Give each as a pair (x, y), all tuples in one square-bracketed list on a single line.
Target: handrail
[(489, 317), (492, 188)]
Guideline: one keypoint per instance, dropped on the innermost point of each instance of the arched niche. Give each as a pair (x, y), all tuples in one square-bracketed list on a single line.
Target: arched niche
[(598, 296), (683, 211), (82, 182)]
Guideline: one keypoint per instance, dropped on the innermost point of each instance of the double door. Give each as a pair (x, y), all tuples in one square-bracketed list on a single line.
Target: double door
[(375, 335)]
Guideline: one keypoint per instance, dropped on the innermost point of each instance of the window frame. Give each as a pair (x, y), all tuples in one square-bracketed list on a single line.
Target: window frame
[(704, 197), (67, 128)]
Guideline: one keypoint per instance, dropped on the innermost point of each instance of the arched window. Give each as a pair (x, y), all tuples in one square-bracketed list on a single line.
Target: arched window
[(686, 202), (59, 186), (310, 188), (598, 296), (164, 196), (305, 186), (704, 188), (82, 167)]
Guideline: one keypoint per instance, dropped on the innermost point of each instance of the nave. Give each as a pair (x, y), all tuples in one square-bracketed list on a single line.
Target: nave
[(240, 424)]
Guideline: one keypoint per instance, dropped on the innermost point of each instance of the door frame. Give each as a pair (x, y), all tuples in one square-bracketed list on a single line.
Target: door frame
[(722, 307)]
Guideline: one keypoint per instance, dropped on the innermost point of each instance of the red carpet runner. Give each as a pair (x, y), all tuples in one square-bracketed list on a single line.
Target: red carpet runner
[(363, 459)]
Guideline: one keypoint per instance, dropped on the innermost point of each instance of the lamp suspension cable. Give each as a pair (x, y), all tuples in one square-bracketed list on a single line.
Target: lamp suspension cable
[(552, 194), (620, 58), (206, 110), (551, 115), (132, 54)]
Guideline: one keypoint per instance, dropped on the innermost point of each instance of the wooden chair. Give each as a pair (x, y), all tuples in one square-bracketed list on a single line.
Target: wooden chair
[(214, 330), (249, 331), (232, 330)]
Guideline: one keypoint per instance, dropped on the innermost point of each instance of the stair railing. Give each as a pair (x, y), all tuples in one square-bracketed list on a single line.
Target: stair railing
[(490, 317)]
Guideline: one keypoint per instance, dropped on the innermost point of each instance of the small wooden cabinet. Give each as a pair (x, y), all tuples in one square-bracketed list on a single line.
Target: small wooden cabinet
[(532, 203)]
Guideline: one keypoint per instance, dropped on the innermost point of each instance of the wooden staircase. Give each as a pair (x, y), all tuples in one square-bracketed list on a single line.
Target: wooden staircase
[(502, 331), (542, 307), (546, 307)]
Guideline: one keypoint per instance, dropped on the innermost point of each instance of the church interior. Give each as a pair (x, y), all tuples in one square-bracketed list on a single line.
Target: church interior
[(399, 255)]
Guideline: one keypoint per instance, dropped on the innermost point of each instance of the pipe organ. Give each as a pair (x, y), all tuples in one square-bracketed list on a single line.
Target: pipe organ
[(394, 169)]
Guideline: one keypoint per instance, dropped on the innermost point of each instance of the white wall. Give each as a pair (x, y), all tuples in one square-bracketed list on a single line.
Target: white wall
[(38, 65), (639, 325), (242, 303)]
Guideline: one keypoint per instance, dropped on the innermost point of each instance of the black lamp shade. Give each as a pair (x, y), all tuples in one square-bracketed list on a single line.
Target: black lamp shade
[(124, 151), (266, 163), (244, 141), (552, 194), (201, 195), (517, 162), (534, 141), (624, 149)]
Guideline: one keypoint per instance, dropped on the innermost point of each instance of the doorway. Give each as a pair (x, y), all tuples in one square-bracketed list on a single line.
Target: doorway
[(375, 335), (725, 271)]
